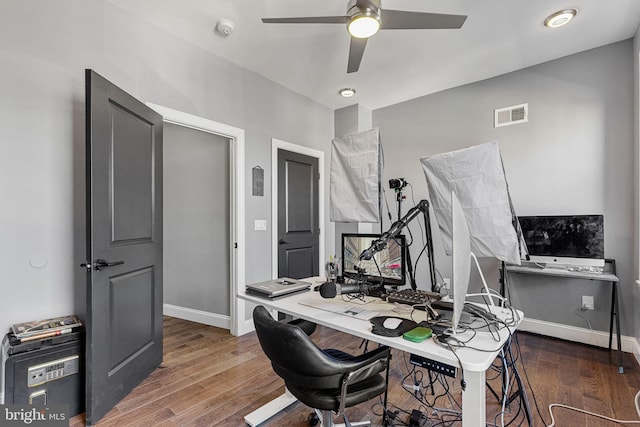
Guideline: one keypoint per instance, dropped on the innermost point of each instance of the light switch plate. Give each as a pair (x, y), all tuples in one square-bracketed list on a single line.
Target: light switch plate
[(260, 225)]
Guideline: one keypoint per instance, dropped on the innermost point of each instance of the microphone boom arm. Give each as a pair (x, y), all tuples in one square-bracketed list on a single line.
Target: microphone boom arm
[(395, 229)]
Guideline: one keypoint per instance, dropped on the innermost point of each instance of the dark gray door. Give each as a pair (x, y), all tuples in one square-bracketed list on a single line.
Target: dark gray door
[(124, 244), (298, 228)]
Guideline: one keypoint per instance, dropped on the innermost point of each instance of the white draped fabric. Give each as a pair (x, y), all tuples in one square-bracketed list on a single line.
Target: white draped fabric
[(356, 168), (476, 174)]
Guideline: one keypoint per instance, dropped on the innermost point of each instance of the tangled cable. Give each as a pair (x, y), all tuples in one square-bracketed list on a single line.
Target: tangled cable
[(593, 414)]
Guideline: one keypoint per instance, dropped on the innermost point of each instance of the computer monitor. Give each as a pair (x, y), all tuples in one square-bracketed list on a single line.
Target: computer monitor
[(461, 259), (564, 239), (387, 267)]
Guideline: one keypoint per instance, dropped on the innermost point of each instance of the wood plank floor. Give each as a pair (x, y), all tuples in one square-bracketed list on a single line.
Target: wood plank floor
[(210, 378)]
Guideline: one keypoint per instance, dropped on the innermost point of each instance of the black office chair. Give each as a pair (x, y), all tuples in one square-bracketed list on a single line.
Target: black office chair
[(326, 380)]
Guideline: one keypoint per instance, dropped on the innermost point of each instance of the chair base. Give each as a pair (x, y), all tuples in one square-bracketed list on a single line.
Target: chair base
[(326, 420)]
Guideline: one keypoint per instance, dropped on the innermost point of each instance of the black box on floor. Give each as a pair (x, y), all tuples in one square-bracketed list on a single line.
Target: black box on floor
[(44, 372)]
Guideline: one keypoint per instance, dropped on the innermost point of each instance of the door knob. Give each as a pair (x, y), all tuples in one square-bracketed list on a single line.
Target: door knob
[(100, 264)]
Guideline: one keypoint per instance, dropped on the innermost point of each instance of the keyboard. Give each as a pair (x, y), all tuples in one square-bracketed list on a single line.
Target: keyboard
[(412, 297), (577, 268), (341, 307)]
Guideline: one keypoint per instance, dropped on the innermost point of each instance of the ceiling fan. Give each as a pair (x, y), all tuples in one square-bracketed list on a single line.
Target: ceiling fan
[(365, 17)]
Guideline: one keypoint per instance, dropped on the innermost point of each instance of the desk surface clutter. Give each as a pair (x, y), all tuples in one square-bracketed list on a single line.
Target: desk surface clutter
[(473, 349)]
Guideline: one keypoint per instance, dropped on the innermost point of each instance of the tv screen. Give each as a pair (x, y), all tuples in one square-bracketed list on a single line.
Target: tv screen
[(564, 239), (387, 266)]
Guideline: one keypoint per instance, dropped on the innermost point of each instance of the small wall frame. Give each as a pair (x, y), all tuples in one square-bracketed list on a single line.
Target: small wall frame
[(257, 181)]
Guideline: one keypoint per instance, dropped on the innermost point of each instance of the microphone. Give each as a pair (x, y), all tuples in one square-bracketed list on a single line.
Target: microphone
[(381, 243), (328, 290), (376, 246), (331, 289)]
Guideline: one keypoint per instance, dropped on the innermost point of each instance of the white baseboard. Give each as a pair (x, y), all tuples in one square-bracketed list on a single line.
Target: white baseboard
[(636, 352), (199, 316), (248, 326), (582, 335)]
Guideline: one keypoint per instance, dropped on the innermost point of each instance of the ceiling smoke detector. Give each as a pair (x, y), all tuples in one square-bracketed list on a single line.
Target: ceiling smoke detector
[(225, 27)]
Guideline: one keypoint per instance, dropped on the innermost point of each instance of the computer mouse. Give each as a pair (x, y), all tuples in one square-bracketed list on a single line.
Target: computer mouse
[(391, 322)]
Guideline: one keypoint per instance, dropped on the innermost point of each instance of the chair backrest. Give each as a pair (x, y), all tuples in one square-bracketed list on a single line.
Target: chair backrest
[(293, 355)]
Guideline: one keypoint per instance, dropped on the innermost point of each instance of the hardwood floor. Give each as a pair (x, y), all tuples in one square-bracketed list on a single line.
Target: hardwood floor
[(210, 378)]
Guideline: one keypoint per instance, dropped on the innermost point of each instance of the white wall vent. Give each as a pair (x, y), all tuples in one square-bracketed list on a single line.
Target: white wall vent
[(511, 115)]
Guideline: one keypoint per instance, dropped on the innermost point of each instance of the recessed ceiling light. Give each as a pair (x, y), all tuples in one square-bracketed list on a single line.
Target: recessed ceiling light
[(347, 92), (560, 18)]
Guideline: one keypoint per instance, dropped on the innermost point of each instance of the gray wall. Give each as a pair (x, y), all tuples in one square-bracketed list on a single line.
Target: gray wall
[(196, 220), (575, 155), (43, 53)]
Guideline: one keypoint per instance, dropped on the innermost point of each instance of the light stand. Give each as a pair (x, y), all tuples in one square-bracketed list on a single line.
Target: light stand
[(398, 185)]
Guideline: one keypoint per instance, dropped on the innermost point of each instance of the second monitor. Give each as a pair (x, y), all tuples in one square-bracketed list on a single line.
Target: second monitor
[(387, 267)]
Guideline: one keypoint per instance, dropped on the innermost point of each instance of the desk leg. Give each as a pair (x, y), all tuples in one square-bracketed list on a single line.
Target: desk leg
[(474, 400), (268, 410), (615, 313), (620, 367), (612, 312)]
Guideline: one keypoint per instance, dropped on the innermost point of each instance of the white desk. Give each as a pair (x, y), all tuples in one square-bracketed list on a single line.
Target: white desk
[(609, 276), (474, 363)]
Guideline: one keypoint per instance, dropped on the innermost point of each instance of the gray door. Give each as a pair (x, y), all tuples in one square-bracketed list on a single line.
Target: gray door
[(298, 228), (124, 244)]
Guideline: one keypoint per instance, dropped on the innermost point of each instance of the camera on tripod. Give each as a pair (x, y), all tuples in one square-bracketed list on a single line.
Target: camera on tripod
[(397, 183)]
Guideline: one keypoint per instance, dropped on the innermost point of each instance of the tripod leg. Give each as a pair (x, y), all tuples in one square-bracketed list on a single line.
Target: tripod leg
[(433, 392)]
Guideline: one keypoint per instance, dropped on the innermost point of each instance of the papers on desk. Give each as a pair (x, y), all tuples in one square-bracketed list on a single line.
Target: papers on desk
[(341, 307)]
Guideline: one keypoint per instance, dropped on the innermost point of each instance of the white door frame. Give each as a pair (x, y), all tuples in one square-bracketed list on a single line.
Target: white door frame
[(277, 144), (236, 322)]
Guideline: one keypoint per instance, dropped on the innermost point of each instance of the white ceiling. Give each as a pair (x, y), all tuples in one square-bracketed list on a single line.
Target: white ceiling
[(498, 36)]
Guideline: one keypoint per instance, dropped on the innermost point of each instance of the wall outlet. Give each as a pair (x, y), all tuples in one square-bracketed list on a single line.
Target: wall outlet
[(587, 302), (260, 225)]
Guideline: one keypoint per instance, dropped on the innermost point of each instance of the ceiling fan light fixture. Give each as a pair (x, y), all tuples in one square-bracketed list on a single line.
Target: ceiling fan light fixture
[(560, 18), (363, 25), (347, 92)]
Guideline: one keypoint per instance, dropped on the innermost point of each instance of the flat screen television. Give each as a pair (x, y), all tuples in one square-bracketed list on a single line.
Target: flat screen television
[(387, 267), (564, 239)]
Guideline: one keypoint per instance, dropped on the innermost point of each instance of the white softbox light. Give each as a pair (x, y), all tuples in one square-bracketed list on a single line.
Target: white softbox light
[(476, 175), (356, 168)]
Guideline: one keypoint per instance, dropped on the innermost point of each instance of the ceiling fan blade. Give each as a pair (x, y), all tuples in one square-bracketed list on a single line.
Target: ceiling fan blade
[(406, 20), (356, 50), (308, 20)]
